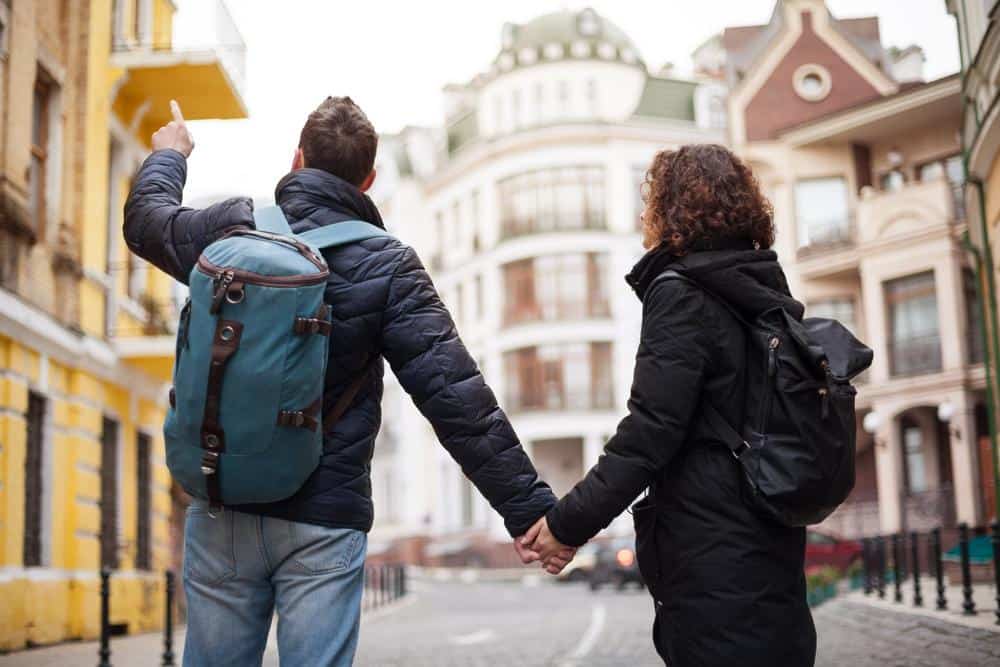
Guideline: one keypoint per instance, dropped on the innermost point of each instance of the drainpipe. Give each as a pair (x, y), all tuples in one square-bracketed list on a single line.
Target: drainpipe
[(988, 350)]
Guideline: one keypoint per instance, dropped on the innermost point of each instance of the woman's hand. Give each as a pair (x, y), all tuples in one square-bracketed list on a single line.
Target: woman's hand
[(540, 541)]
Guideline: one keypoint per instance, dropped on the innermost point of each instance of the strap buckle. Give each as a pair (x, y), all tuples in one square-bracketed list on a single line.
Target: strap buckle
[(741, 450)]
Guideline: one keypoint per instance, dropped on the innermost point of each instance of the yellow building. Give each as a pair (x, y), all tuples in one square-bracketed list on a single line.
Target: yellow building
[(85, 329)]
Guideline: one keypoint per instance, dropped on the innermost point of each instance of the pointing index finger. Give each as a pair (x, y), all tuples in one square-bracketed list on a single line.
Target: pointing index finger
[(175, 111)]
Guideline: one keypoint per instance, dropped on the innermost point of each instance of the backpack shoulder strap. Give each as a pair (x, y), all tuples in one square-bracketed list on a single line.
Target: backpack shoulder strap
[(271, 219), (670, 274), (723, 429), (341, 233)]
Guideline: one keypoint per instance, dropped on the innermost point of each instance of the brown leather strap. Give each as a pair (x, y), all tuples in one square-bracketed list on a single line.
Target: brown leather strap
[(345, 400), (213, 439), (305, 418), (311, 325)]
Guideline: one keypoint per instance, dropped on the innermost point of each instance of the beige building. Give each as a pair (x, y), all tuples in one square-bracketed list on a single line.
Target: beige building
[(862, 160)]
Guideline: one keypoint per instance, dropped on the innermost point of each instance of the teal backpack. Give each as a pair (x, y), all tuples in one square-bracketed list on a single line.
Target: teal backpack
[(245, 422)]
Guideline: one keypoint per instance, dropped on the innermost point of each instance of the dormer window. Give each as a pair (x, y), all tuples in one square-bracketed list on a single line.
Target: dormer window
[(587, 24), (508, 34)]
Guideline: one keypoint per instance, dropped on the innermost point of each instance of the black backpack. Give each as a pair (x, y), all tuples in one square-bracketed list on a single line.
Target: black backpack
[(796, 445)]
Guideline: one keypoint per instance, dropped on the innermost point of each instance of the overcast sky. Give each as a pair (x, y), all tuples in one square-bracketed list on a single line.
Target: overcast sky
[(394, 57)]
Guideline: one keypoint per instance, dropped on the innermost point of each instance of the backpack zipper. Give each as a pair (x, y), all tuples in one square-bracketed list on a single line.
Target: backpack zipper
[(297, 280), (772, 370)]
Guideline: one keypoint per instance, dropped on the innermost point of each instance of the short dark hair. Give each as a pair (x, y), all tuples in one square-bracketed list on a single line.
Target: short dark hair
[(339, 138), (702, 195)]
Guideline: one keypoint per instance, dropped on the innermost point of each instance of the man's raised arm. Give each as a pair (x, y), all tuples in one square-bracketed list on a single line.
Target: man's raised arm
[(157, 227)]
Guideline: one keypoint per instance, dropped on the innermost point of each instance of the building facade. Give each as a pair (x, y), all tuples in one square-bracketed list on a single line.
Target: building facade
[(862, 160), (84, 327), (978, 30), (525, 208)]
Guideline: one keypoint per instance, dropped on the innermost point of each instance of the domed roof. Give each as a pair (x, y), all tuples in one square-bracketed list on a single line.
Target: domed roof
[(566, 34)]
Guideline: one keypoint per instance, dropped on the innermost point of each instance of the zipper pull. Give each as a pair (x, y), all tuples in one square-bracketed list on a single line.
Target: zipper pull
[(223, 282), (772, 356), (824, 403)]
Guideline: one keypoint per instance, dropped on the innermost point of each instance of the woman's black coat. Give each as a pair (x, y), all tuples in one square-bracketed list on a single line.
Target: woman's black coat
[(732, 585)]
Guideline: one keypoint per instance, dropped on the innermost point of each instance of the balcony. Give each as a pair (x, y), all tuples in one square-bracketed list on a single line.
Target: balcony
[(914, 209), (917, 355), (204, 68), (829, 236)]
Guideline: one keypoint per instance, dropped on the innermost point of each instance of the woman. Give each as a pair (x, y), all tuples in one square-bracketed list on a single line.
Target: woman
[(729, 583)]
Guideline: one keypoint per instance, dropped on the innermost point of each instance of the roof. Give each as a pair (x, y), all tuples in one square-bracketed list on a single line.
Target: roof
[(462, 130), (567, 26), (667, 98)]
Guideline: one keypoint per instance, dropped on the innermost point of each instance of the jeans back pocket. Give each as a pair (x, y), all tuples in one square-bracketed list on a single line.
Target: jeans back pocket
[(209, 548)]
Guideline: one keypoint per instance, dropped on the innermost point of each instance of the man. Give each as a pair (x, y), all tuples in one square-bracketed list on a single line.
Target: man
[(304, 556)]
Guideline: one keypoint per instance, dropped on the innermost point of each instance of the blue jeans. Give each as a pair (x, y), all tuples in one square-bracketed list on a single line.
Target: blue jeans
[(239, 568)]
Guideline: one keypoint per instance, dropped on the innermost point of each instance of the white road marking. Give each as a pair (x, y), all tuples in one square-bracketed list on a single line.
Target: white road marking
[(597, 618), (480, 637)]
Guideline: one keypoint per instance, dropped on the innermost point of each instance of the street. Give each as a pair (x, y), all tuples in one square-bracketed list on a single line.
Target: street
[(538, 624), (560, 626)]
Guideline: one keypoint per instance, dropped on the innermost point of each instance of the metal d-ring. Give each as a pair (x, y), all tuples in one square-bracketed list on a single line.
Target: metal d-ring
[(235, 295)]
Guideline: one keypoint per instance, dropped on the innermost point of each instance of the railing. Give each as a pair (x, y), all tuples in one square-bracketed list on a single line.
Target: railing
[(511, 227), (894, 559), (592, 399), (832, 235), (205, 25), (557, 310), (915, 356), (384, 584)]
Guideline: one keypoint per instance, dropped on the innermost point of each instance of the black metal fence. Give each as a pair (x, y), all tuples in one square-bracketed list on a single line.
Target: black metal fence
[(901, 560), (383, 585)]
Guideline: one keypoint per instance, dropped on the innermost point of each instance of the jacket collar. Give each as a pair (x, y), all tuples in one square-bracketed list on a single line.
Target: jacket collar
[(317, 198)]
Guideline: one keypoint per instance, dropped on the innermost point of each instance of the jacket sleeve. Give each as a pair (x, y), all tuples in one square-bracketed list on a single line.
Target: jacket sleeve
[(422, 346), (166, 234), (674, 351)]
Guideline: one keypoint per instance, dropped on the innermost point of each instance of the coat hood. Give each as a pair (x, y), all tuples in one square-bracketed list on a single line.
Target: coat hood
[(750, 280)]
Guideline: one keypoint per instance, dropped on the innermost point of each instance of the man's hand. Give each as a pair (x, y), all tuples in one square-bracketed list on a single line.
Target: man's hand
[(540, 542), (174, 134), (527, 555)]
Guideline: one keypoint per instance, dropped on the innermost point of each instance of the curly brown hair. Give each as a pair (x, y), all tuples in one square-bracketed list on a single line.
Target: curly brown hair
[(701, 197)]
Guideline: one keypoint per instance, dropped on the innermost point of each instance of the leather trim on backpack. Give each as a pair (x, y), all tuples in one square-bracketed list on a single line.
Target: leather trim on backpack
[(225, 343)]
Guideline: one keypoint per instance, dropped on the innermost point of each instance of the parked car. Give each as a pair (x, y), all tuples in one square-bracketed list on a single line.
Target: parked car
[(581, 566), (616, 565), (826, 550)]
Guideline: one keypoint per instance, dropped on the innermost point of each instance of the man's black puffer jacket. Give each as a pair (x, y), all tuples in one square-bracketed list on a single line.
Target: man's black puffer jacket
[(383, 303), (731, 582)]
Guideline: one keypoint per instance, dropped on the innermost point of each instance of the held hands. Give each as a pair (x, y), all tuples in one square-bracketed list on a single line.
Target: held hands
[(174, 134), (538, 544)]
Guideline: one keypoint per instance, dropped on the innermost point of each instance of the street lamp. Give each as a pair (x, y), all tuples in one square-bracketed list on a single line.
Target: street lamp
[(945, 413), (871, 424)]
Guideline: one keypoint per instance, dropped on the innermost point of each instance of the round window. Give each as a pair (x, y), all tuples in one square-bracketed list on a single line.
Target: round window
[(812, 82)]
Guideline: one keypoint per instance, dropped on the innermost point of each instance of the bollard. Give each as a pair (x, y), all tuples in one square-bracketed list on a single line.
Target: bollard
[(968, 604), (918, 598), (402, 580), (880, 564), (897, 567), (383, 580), (942, 601), (996, 566), (168, 623), (105, 651), (866, 565)]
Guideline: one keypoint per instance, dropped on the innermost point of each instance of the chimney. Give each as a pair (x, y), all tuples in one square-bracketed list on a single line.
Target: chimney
[(906, 65)]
